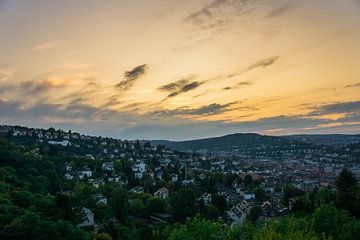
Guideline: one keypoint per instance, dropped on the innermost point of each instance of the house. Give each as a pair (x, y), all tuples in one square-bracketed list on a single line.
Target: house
[(248, 196), (139, 169), (96, 182), (138, 174), (68, 176), (137, 189), (238, 213), (86, 172), (162, 193), (63, 143), (174, 178), (206, 197), (100, 199), (88, 219), (108, 166)]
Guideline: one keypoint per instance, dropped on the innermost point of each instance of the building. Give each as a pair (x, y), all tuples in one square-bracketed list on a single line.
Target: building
[(88, 219), (108, 166), (162, 193)]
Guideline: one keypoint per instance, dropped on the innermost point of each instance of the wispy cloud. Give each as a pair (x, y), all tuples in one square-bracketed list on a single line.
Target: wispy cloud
[(210, 109), (131, 76), (282, 8), (238, 85), (46, 45), (354, 85), (5, 73), (263, 63), (180, 86), (340, 108)]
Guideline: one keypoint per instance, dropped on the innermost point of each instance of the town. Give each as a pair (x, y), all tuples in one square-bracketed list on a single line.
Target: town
[(234, 187)]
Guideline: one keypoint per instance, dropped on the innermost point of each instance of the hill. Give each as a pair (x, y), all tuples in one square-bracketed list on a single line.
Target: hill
[(233, 141), (251, 142), (326, 139)]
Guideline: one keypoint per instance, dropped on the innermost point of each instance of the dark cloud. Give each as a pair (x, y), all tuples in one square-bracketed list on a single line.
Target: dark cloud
[(208, 17), (353, 85), (181, 86), (186, 88), (342, 108), (280, 10), (263, 63), (219, 14), (131, 76), (171, 87), (210, 109), (240, 84)]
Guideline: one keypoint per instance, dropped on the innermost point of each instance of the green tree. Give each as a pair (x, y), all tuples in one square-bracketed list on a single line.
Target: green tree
[(182, 204), (119, 204), (248, 180), (255, 213), (198, 229), (327, 220), (346, 191), (103, 236), (219, 202)]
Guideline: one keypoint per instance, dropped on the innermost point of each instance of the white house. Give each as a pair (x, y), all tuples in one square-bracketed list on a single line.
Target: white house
[(174, 178), (100, 199), (63, 143), (68, 176), (238, 213), (88, 219), (248, 196), (162, 193), (206, 197), (108, 166), (85, 172)]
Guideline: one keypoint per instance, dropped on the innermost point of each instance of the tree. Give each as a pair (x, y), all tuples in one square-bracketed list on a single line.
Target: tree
[(248, 180), (260, 194), (302, 206), (155, 204), (137, 207), (119, 203), (327, 219), (346, 191), (219, 202), (254, 214), (212, 213), (182, 204), (103, 236), (198, 229), (350, 230)]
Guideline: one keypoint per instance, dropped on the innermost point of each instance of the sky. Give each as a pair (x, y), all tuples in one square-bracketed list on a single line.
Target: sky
[(181, 69)]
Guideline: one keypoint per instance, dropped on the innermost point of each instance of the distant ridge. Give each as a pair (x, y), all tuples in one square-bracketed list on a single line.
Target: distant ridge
[(227, 142), (253, 141)]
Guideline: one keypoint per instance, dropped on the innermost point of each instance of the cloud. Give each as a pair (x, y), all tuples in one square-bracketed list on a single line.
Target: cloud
[(209, 16), (46, 45), (171, 87), (340, 108), (38, 87), (210, 109), (240, 84), (5, 73), (131, 76), (219, 14), (280, 10), (180, 86), (355, 85), (263, 63)]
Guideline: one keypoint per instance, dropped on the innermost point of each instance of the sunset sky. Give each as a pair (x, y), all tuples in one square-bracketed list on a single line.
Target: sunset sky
[(181, 69)]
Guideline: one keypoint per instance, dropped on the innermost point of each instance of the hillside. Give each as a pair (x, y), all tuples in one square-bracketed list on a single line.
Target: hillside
[(233, 141), (326, 139)]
